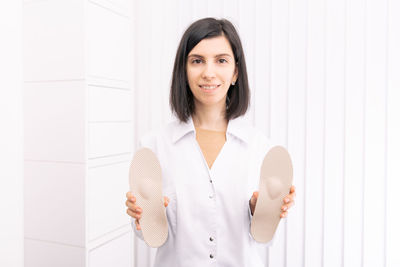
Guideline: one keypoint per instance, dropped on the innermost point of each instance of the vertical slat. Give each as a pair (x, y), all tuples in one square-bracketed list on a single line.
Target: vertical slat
[(12, 135), (375, 134), (154, 69), (142, 97), (231, 11), (199, 10), (315, 134), (262, 66), (142, 81), (215, 8), (279, 87), (247, 33), (354, 135), (334, 133), (296, 127), (393, 134), (169, 44), (185, 14), (262, 59)]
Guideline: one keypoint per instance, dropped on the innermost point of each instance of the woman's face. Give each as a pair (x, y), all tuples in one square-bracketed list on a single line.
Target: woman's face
[(211, 69)]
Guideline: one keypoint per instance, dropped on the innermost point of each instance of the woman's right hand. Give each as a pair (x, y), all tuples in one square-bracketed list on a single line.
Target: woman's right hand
[(134, 210)]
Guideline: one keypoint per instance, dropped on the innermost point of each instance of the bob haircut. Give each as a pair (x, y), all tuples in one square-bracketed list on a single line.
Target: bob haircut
[(181, 98)]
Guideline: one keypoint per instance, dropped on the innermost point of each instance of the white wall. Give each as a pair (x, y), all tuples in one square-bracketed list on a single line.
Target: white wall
[(78, 69), (11, 135), (325, 83)]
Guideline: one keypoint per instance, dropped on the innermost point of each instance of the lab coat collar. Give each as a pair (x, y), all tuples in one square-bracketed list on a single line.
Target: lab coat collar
[(236, 127)]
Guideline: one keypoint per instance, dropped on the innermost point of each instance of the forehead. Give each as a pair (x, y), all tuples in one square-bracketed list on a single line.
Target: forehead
[(212, 46)]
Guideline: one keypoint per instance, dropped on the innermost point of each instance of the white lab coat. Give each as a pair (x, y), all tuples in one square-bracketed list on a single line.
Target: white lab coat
[(208, 213)]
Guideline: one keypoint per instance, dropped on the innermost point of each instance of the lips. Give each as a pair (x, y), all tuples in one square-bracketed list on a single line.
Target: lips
[(209, 87)]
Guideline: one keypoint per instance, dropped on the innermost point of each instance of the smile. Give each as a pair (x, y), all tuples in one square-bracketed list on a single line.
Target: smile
[(209, 87)]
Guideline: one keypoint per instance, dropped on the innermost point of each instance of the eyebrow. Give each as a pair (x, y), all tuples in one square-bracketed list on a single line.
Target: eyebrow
[(219, 55)]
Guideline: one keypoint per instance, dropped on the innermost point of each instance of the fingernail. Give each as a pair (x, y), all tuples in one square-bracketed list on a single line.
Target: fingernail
[(284, 208), (286, 200)]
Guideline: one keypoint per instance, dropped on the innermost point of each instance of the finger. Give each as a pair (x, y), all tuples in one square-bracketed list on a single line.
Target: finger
[(136, 209), (133, 214), (287, 199), (284, 214), (254, 198), (132, 206), (287, 206), (292, 189), (166, 201), (130, 197), (137, 225)]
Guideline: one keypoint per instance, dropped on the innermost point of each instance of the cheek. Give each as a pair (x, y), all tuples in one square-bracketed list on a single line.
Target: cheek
[(229, 74), (191, 76)]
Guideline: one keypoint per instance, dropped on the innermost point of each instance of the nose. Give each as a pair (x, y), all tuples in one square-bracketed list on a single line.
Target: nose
[(208, 71)]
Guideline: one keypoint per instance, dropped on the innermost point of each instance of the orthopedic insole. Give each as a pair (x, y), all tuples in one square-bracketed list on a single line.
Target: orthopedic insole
[(276, 178), (145, 182)]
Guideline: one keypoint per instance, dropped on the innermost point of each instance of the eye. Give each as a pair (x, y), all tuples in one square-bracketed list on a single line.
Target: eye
[(196, 61), (222, 60)]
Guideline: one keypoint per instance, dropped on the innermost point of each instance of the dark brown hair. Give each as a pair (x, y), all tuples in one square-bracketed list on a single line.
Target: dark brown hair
[(181, 98)]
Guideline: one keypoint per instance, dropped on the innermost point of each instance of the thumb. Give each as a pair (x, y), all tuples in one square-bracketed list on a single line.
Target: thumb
[(254, 198)]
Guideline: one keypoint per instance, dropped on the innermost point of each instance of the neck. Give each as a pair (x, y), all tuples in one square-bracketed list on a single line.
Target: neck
[(210, 117)]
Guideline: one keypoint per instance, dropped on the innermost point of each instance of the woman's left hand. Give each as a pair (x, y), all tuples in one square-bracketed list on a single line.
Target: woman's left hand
[(288, 202)]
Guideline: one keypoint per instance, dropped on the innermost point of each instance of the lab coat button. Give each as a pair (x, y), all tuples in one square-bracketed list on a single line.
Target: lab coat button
[(211, 239), (211, 256)]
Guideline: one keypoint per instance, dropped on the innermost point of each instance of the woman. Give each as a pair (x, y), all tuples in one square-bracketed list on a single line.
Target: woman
[(210, 157)]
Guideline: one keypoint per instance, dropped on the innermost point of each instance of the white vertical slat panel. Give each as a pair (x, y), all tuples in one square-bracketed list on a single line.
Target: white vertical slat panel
[(262, 68), (314, 134), (327, 157), (142, 57), (155, 65), (375, 173), (261, 83), (199, 10), (215, 8), (296, 127), (170, 45), (354, 133), (142, 91), (246, 28), (185, 14), (12, 135), (231, 11), (393, 141), (279, 108), (334, 134)]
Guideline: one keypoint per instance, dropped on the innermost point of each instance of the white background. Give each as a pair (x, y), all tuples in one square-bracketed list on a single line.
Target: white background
[(325, 83)]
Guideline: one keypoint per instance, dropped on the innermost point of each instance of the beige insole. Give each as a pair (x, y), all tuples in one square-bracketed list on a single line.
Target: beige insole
[(145, 182), (276, 178)]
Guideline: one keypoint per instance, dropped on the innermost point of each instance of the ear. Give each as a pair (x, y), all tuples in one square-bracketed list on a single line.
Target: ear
[(235, 75)]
